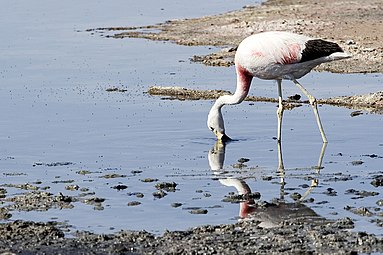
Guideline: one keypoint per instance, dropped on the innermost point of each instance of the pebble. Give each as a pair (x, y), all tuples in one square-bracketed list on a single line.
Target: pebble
[(72, 187), (84, 172), (137, 194), (168, 186), (356, 113), (357, 162), (378, 181), (243, 160), (295, 196), (294, 97), (112, 176), (94, 200), (149, 180), (159, 194), (134, 203), (199, 211), (330, 192), (120, 187), (350, 42)]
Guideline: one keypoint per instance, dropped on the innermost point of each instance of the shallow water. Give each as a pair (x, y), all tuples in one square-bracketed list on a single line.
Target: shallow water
[(55, 108)]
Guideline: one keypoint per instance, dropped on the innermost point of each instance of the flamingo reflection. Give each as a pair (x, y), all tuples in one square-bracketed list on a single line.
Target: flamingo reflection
[(216, 158), (269, 214)]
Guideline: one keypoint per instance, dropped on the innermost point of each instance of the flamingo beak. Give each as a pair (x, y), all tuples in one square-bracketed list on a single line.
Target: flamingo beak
[(222, 136)]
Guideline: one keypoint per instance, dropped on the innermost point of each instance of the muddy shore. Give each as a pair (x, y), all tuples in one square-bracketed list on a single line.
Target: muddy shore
[(356, 25), (291, 237), (372, 102)]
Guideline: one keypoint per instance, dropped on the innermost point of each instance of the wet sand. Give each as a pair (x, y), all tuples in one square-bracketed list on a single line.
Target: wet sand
[(356, 25)]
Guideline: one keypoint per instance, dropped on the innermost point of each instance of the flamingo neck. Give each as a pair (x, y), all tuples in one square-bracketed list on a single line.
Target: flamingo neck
[(243, 85)]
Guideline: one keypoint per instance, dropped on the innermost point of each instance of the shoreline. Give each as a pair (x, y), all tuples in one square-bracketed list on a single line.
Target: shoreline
[(355, 25)]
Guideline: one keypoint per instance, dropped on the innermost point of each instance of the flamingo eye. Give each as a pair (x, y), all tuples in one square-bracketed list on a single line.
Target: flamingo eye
[(212, 129)]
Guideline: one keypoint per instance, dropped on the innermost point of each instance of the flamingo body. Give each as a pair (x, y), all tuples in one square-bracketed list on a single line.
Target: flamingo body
[(283, 55), (274, 56)]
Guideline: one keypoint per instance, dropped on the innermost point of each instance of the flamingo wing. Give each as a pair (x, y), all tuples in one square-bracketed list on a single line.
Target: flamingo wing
[(318, 48)]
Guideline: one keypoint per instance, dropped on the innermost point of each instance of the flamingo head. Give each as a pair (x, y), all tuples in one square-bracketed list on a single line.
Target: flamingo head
[(216, 125)]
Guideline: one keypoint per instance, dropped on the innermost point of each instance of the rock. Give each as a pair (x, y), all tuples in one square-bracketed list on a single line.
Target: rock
[(149, 180), (175, 205), (120, 187), (295, 196), (199, 211), (134, 203), (159, 194), (356, 113), (167, 186), (357, 162), (377, 181)]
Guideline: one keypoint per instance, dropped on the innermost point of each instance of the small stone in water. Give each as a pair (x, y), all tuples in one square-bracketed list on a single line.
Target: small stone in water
[(120, 187), (198, 211), (134, 203), (175, 205), (159, 194)]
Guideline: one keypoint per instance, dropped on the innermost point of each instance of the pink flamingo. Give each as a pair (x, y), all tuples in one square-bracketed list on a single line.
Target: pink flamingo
[(275, 56)]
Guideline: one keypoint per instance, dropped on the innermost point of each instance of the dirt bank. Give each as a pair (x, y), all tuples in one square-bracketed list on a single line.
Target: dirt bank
[(356, 25)]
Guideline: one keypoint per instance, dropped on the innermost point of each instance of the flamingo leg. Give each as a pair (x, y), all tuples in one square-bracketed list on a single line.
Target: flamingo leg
[(281, 167), (319, 165), (314, 105), (315, 182), (279, 110), (281, 170)]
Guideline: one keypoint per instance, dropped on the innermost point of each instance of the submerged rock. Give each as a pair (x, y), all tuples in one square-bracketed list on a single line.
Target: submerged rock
[(198, 211), (159, 194), (167, 186), (377, 181)]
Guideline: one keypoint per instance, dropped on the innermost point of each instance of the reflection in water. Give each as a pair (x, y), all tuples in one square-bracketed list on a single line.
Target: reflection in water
[(270, 214), (281, 170), (216, 158)]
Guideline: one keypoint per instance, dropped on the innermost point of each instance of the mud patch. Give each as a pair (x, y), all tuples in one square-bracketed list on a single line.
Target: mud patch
[(245, 237), (372, 102)]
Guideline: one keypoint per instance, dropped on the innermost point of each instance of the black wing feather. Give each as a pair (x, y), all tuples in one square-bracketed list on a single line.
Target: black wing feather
[(318, 48)]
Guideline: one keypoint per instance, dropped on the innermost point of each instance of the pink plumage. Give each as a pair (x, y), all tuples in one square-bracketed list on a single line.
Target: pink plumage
[(275, 56)]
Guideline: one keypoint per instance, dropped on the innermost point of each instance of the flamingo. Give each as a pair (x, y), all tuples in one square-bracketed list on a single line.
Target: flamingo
[(275, 55)]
